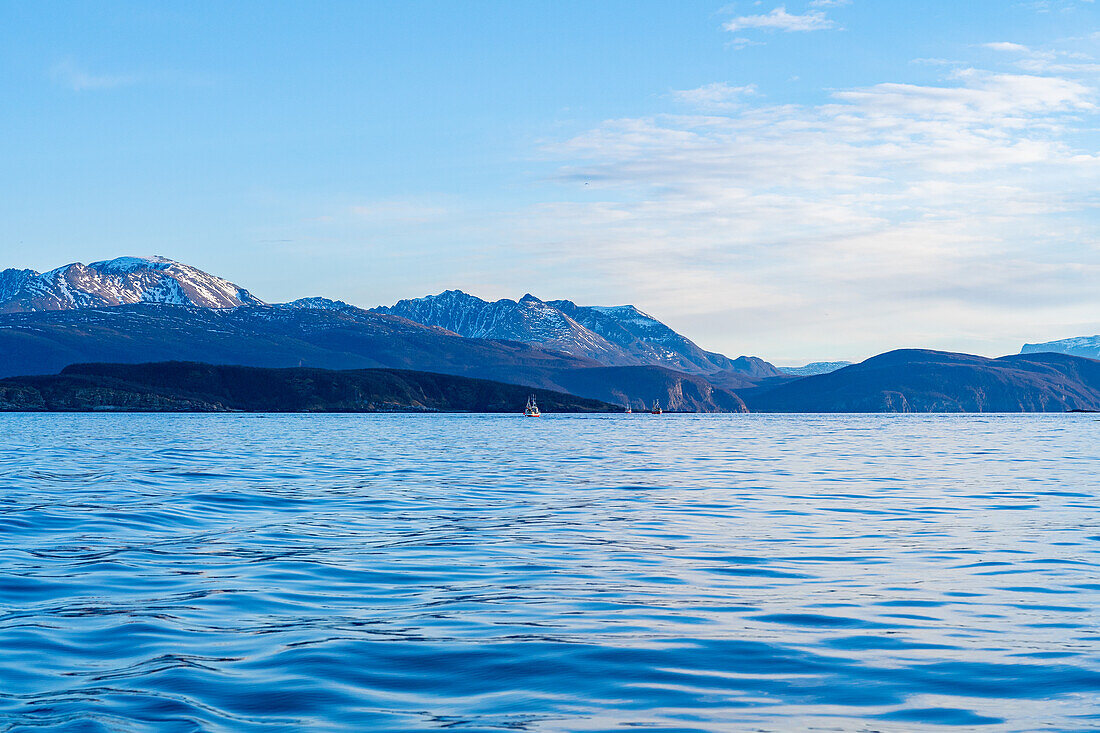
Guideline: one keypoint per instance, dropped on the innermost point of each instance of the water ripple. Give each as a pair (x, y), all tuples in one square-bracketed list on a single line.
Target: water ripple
[(488, 573)]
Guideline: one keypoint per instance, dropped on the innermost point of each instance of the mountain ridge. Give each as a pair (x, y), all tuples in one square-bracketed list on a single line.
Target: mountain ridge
[(612, 335), (620, 335), (1087, 346), (45, 342), (121, 281), (924, 380), (135, 310)]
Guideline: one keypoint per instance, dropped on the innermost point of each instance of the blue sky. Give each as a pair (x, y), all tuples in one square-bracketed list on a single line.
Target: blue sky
[(800, 180)]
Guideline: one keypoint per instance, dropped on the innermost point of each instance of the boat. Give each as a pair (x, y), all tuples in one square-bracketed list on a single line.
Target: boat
[(628, 410), (532, 409), (656, 407)]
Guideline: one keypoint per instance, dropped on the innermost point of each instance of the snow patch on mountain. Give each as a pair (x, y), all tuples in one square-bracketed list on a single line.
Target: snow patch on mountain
[(646, 338), (12, 280), (815, 367), (1087, 346), (619, 335), (528, 320), (316, 303), (121, 281)]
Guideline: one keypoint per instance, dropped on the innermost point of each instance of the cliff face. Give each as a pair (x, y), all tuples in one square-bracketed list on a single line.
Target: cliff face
[(640, 386)]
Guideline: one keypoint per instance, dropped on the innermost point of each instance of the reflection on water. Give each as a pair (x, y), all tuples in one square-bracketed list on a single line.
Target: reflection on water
[(687, 573)]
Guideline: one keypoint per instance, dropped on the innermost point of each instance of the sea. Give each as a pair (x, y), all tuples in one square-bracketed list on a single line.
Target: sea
[(244, 572)]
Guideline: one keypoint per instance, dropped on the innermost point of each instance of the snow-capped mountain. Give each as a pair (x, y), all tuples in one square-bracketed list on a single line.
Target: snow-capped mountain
[(43, 342), (815, 367), (148, 309), (317, 303), (646, 338), (120, 281), (612, 335), (528, 320), (1087, 346)]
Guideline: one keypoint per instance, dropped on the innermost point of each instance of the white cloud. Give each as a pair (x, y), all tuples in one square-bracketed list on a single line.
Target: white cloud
[(742, 42), (896, 214), (1048, 6), (68, 74), (829, 3), (1042, 61), (1008, 46), (716, 96), (780, 20)]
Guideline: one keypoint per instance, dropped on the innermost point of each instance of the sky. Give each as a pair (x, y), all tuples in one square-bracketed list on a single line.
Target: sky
[(802, 181)]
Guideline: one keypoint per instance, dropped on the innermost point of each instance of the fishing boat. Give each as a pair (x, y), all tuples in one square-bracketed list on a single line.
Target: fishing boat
[(656, 407), (532, 410), (628, 410)]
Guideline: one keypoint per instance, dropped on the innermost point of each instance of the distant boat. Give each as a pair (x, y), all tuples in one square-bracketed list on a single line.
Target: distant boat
[(532, 410), (656, 407), (628, 410)]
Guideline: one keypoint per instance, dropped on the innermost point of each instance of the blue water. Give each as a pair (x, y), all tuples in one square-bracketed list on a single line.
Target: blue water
[(488, 573)]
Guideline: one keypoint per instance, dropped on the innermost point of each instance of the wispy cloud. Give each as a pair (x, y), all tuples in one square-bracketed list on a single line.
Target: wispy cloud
[(69, 74), (905, 211), (1008, 47), (1050, 6), (1046, 61), (741, 42), (780, 20), (715, 96)]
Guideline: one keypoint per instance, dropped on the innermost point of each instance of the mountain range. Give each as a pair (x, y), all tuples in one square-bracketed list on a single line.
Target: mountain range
[(133, 310), (614, 336), (119, 311), (919, 380)]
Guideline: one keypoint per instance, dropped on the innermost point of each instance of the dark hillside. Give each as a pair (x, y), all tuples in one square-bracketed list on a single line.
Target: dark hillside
[(197, 387), (914, 380)]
